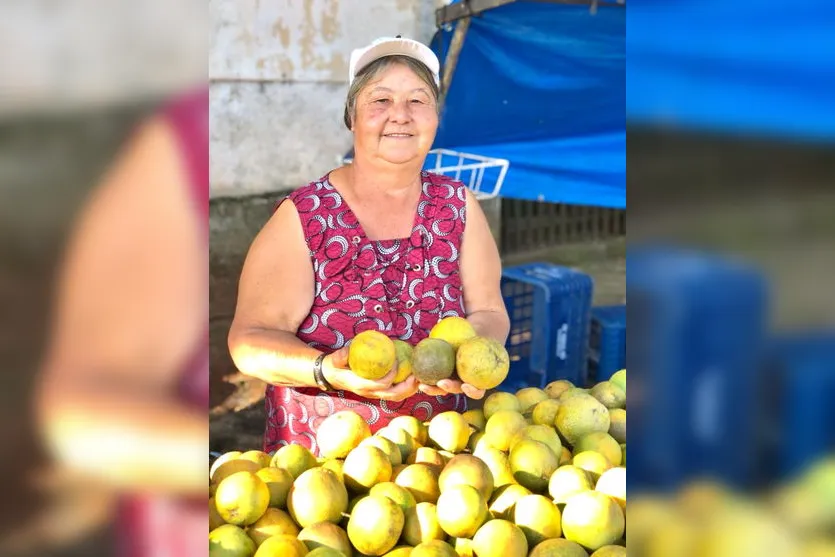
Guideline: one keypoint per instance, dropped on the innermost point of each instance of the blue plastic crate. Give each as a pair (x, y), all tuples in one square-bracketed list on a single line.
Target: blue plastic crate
[(549, 308), (798, 393), (697, 333), (607, 342)]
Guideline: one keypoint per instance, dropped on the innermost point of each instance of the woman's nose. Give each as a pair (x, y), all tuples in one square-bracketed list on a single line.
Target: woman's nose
[(400, 112)]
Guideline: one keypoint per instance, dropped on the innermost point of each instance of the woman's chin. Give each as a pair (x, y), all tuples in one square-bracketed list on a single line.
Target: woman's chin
[(401, 156)]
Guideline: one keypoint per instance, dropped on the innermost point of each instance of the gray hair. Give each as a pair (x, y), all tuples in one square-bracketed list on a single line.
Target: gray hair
[(375, 68)]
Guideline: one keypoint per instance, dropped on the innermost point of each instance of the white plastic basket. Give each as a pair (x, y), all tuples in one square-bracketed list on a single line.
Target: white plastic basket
[(482, 175)]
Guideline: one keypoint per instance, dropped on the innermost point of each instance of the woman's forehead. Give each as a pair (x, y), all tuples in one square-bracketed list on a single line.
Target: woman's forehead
[(396, 76)]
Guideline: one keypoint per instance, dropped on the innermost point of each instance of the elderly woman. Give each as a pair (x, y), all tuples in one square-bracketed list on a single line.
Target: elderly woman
[(376, 244)]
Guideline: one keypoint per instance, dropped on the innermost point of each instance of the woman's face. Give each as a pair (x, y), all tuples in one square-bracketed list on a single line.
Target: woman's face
[(396, 118)]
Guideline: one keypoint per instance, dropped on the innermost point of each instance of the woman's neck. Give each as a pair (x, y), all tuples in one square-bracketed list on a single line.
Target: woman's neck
[(394, 181)]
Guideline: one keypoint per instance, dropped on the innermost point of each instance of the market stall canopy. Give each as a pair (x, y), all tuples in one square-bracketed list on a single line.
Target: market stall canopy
[(763, 68), (542, 85)]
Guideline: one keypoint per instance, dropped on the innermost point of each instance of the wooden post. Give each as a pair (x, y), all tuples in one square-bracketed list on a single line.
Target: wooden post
[(452, 56)]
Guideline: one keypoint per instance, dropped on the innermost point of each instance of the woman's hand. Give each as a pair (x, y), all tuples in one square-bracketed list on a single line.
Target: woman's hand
[(337, 373), (452, 387)]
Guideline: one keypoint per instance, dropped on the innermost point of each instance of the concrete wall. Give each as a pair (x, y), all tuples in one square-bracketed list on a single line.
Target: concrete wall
[(278, 72)]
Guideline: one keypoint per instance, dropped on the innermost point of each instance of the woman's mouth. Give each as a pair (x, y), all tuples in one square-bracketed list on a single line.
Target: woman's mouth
[(398, 135)]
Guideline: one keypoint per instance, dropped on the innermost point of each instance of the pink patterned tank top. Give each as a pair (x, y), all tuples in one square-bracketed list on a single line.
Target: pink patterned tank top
[(400, 287)]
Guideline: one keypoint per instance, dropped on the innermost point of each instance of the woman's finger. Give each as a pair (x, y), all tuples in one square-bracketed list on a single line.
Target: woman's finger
[(340, 358), (431, 390), (472, 392), (451, 386)]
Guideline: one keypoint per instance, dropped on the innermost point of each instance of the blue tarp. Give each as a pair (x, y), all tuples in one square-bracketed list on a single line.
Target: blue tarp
[(543, 85), (740, 67)]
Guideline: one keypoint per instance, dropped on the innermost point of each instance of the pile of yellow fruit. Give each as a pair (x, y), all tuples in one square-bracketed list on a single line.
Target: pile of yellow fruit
[(539, 473)]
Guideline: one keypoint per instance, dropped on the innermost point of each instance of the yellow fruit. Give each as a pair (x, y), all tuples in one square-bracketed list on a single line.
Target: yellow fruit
[(284, 545), (433, 548), (412, 426), (233, 466), (428, 455), (371, 355), (482, 362), (454, 330), (326, 535), (400, 551), (317, 496), (498, 465), (215, 520), (568, 480), (619, 380), (405, 442), (422, 524), (433, 359), (556, 388), (538, 517), (335, 466), (365, 467), (449, 431), (500, 401), (571, 392), (326, 552), (279, 481), (295, 459), (475, 437), (541, 433), (461, 511), (617, 424), (610, 551), (422, 482), (502, 426), (592, 519), (475, 418), (403, 353), (230, 541), (623, 453), (340, 433), (225, 457), (397, 493), (566, 456), (467, 469), (504, 500), (530, 397), (242, 498), (500, 538), (592, 462), (558, 547), (463, 547), (545, 412), (609, 395), (260, 458), (375, 525), (600, 442), (532, 464), (580, 415), (273, 523)]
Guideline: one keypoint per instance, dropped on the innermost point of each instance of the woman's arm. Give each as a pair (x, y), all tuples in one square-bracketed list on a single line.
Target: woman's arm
[(481, 274), (131, 308), (275, 294)]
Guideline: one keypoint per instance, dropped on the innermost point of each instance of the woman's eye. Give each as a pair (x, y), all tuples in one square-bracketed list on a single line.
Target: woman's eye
[(381, 101), (419, 101)]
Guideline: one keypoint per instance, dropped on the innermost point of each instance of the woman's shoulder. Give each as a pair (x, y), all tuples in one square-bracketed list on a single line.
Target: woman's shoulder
[(313, 191)]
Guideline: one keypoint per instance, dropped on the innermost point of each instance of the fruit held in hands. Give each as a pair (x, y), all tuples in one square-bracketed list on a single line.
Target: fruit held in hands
[(404, 360), (433, 359), (455, 330), (482, 362), (371, 355)]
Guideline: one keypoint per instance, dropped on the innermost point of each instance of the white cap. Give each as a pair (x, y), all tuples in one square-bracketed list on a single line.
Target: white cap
[(388, 46)]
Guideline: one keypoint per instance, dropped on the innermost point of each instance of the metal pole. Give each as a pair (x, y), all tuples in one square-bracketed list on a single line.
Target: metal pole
[(451, 61)]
